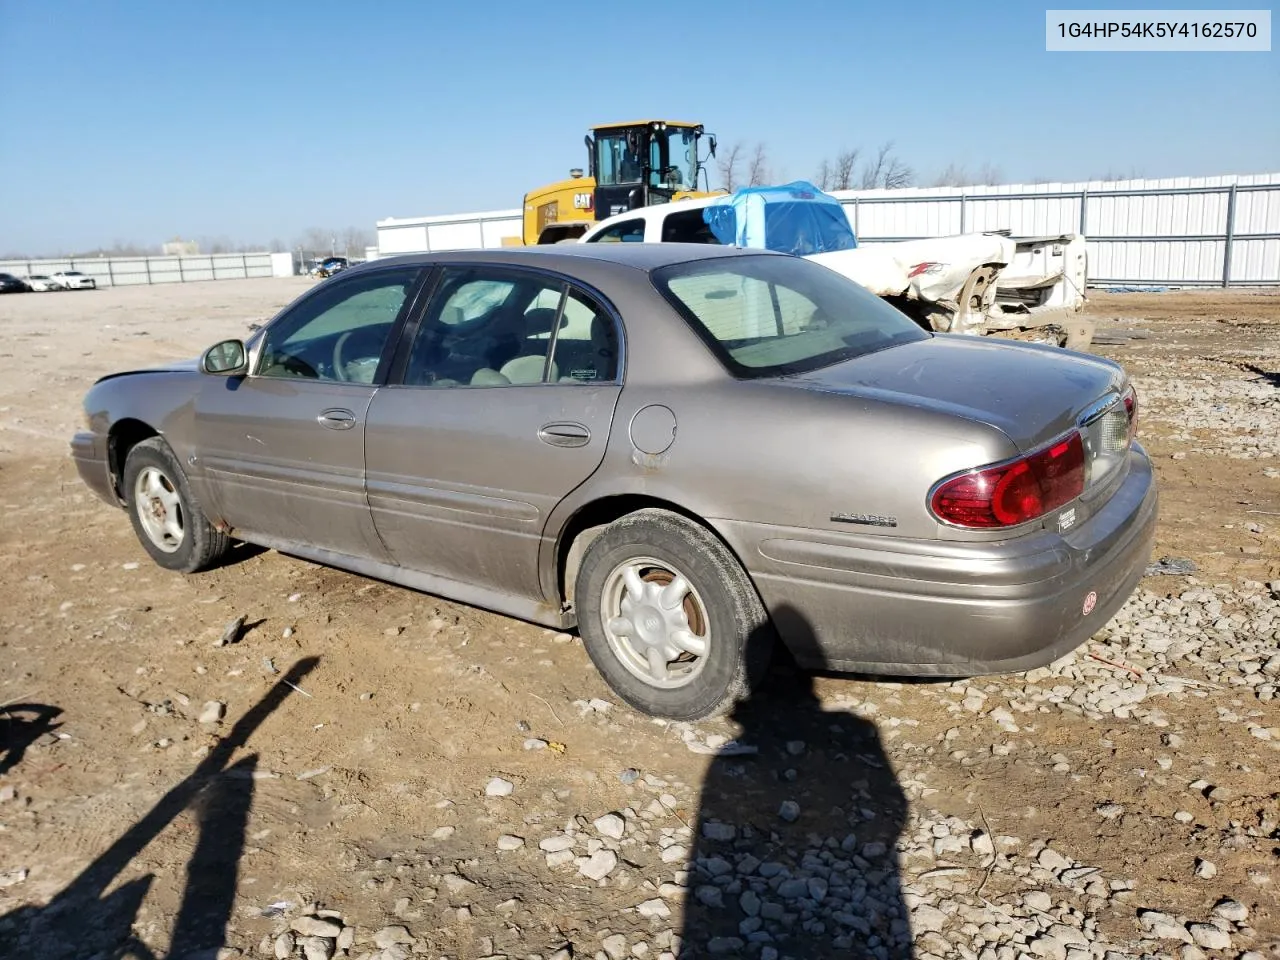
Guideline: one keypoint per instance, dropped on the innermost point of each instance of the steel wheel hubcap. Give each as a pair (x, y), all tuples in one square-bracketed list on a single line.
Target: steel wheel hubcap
[(655, 622), (159, 509)]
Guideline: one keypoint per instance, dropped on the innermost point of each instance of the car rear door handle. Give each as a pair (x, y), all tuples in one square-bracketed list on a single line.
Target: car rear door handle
[(337, 419), (565, 434)]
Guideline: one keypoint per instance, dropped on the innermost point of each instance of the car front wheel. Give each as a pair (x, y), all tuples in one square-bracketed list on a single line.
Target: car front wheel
[(166, 518), (670, 618)]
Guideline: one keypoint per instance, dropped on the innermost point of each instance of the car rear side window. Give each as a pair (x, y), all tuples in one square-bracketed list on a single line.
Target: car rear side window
[(629, 231), (687, 226), (773, 315)]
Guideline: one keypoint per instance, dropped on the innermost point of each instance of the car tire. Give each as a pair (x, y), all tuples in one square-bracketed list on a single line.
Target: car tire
[(166, 517), (631, 630)]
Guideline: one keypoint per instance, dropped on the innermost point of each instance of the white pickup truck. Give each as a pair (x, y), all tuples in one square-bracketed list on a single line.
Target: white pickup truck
[(980, 283)]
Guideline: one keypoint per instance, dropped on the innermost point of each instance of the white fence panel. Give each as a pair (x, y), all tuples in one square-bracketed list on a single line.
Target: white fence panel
[(129, 271)]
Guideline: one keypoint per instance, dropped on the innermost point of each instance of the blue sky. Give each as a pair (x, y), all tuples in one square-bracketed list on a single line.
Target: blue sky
[(137, 120)]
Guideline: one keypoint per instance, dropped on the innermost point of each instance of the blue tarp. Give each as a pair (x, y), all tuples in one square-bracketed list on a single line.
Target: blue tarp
[(795, 218)]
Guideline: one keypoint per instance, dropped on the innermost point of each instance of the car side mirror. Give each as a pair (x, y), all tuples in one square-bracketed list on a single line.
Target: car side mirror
[(226, 359)]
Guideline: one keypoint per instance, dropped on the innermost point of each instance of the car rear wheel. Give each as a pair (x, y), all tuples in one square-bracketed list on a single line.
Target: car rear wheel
[(670, 618), (166, 518)]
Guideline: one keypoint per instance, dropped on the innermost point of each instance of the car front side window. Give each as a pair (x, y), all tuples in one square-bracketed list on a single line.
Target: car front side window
[(341, 332)]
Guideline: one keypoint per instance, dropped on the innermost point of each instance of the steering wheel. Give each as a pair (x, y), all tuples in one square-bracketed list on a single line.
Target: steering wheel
[(340, 368)]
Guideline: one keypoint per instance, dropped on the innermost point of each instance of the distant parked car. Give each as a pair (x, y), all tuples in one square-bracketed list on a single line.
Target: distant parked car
[(74, 280), (329, 266), (40, 283), (11, 284), (500, 427)]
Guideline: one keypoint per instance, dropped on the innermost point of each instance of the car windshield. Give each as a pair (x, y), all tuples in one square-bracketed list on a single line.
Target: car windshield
[(773, 315)]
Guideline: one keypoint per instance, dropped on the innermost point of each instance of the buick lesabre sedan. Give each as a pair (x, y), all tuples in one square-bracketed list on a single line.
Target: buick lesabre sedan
[(688, 452)]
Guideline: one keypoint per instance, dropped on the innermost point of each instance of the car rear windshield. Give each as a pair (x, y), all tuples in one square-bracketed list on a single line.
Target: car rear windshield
[(767, 316)]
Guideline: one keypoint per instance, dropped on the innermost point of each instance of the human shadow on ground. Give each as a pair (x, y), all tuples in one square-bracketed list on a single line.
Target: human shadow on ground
[(794, 847), (85, 921), (21, 725)]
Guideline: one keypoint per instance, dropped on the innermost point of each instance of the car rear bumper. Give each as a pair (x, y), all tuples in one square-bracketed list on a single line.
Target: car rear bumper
[(886, 605), (89, 451)]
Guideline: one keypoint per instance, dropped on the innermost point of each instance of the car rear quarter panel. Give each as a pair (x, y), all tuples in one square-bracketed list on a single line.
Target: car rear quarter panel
[(765, 453), (763, 450)]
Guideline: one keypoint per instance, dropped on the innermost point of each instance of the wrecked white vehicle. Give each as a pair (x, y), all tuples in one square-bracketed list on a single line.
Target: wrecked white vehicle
[(1046, 274), (951, 284)]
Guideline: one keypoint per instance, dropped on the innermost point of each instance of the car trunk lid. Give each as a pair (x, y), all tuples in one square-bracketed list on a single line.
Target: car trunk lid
[(1030, 393)]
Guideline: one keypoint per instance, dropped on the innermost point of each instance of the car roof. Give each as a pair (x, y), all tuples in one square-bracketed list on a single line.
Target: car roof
[(645, 257)]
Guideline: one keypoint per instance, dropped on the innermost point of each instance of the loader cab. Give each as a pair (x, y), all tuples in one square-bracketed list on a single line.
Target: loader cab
[(643, 163)]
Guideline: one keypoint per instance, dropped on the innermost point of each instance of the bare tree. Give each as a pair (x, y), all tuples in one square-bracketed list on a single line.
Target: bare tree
[(897, 175), (953, 175), (758, 168), (354, 240), (727, 165), (886, 171), (318, 240), (989, 174), (219, 244), (1135, 173), (824, 177), (846, 160), (872, 170)]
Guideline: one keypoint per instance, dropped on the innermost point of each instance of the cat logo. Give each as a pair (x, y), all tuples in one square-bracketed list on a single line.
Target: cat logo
[(582, 201)]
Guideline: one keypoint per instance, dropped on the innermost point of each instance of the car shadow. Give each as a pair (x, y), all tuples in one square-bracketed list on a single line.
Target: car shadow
[(238, 552), (795, 844), (21, 725), (84, 920)]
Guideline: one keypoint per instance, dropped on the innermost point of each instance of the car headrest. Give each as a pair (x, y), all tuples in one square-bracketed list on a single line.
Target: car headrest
[(540, 320)]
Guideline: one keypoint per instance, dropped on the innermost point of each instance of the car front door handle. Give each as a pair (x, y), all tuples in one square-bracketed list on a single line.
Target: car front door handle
[(565, 434), (337, 419)]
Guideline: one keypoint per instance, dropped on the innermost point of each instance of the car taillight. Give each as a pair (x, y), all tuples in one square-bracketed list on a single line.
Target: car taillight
[(1011, 493), (1131, 410)]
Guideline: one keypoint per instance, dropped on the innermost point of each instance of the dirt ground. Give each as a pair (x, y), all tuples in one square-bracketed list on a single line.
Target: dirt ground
[(339, 791)]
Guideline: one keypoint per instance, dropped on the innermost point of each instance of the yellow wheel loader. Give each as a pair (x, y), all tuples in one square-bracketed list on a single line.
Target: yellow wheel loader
[(630, 165)]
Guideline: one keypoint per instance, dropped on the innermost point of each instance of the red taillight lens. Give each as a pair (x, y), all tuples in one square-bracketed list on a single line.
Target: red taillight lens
[(1016, 492)]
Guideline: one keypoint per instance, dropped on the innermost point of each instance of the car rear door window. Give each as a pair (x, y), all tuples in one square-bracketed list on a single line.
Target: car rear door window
[(586, 347), (488, 327), (485, 327)]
